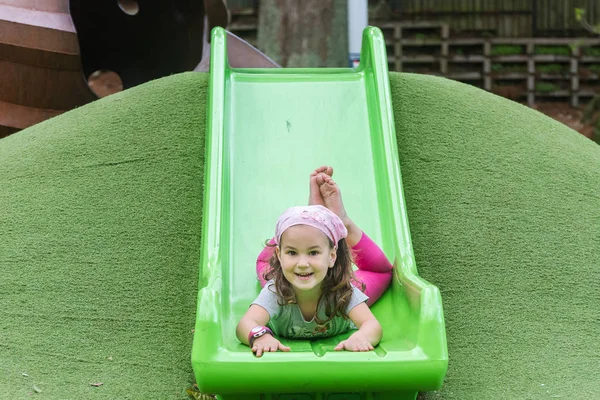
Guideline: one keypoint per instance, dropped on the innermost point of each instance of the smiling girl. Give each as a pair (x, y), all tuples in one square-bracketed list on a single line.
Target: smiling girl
[(309, 288)]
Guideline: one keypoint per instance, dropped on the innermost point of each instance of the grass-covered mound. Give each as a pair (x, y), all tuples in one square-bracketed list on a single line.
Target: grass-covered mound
[(100, 233)]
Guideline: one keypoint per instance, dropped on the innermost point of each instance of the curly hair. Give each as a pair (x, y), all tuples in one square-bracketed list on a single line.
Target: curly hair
[(336, 289)]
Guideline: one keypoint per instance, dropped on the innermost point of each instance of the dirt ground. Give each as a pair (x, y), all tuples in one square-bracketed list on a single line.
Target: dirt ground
[(564, 113)]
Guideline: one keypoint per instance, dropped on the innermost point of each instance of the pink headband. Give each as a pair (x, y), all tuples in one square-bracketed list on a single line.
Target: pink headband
[(316, 216)]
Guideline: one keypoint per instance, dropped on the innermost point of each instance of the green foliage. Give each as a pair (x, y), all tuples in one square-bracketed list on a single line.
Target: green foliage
[(551, 68), (507, 49), (498, 67), (594, 67), (195, 394), (546, 87), (553, 50), (580, 17), (575, 45), (592, 51)]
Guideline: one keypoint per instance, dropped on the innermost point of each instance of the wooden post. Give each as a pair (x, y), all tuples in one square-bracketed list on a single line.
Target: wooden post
[(398, 46), (574, 70), (310, 33), (487, 65), (445, 30), (530, 75)]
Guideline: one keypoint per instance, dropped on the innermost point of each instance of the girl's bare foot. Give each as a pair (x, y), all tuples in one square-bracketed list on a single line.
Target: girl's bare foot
[(332, 199), (314, 196), (331, 195)]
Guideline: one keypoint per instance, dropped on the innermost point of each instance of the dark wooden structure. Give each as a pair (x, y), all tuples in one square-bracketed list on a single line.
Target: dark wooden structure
[(49, 49), (41, 74), (159, 39)]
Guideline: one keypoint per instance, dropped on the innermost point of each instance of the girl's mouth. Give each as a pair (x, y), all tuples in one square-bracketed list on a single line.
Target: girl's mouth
[(304, 276)]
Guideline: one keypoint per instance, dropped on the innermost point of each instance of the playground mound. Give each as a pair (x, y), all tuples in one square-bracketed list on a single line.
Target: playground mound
[(101, 227)]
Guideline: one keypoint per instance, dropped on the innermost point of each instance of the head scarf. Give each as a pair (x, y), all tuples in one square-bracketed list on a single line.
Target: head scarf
[(316, 216)]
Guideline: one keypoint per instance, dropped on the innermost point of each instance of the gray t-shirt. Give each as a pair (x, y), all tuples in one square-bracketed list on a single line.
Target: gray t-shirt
[(287, 320)]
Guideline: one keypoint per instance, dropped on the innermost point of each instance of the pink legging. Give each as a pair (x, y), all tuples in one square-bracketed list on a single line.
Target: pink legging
[(374, 269)]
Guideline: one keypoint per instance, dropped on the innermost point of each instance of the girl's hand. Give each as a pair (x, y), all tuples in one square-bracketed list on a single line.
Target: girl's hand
[(356, 342), (267, 343)]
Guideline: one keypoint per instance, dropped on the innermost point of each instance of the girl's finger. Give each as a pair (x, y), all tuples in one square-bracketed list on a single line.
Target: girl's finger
[(282, 347)]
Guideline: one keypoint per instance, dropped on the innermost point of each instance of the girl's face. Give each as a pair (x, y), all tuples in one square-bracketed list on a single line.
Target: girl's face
[(305, 257)]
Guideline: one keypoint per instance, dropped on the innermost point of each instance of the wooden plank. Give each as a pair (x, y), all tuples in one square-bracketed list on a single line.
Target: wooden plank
[(574, 70), (487, 66), (466, 59), (467, 76), (398, 47), (419, 59), (510, 76), (512, 59), (445, 32), (551, 58), (466, 41), (21, 117), (53, 6), (421, 42), (530, 74), (40, 58)]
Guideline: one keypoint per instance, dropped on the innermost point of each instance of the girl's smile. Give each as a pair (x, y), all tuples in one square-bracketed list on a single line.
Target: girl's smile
[(304, 276)]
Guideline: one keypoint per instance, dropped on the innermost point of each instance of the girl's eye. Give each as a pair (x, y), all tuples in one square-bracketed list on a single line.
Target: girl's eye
[(313, 253), (292, 253)]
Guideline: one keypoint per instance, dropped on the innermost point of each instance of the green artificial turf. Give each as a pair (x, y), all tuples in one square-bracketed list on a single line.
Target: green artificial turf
[(504, 209), (100, 233), (100, 236)]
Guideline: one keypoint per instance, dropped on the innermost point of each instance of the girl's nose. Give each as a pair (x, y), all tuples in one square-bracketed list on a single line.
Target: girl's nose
[(303, 262)]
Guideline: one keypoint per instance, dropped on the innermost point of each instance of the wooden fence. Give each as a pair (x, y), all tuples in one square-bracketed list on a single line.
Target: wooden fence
[(523, 68), (504, 18), (528, 69)]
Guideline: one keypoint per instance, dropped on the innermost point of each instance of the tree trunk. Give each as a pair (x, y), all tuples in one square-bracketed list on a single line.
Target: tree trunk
[(308, 33)]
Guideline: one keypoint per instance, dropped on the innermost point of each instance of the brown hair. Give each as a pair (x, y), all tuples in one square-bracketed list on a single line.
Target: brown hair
[(336, 289)]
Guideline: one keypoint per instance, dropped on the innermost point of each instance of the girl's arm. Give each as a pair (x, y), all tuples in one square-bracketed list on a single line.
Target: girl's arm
[(258, 316), (369, 330)]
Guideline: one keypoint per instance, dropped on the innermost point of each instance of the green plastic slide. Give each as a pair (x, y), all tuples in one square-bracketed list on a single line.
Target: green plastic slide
[(267, 130)]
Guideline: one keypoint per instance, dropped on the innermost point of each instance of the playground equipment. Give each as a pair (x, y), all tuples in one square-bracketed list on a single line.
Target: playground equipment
[(267, 129), (56, 55)]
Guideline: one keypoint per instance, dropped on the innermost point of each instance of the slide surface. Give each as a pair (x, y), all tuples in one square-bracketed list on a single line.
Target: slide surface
[(267, 130)]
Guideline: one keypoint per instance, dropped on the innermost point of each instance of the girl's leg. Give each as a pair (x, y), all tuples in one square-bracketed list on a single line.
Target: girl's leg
[(374, 269), (262, 262)]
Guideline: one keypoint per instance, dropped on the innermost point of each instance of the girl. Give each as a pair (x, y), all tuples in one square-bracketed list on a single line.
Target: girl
[(311, 290)]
